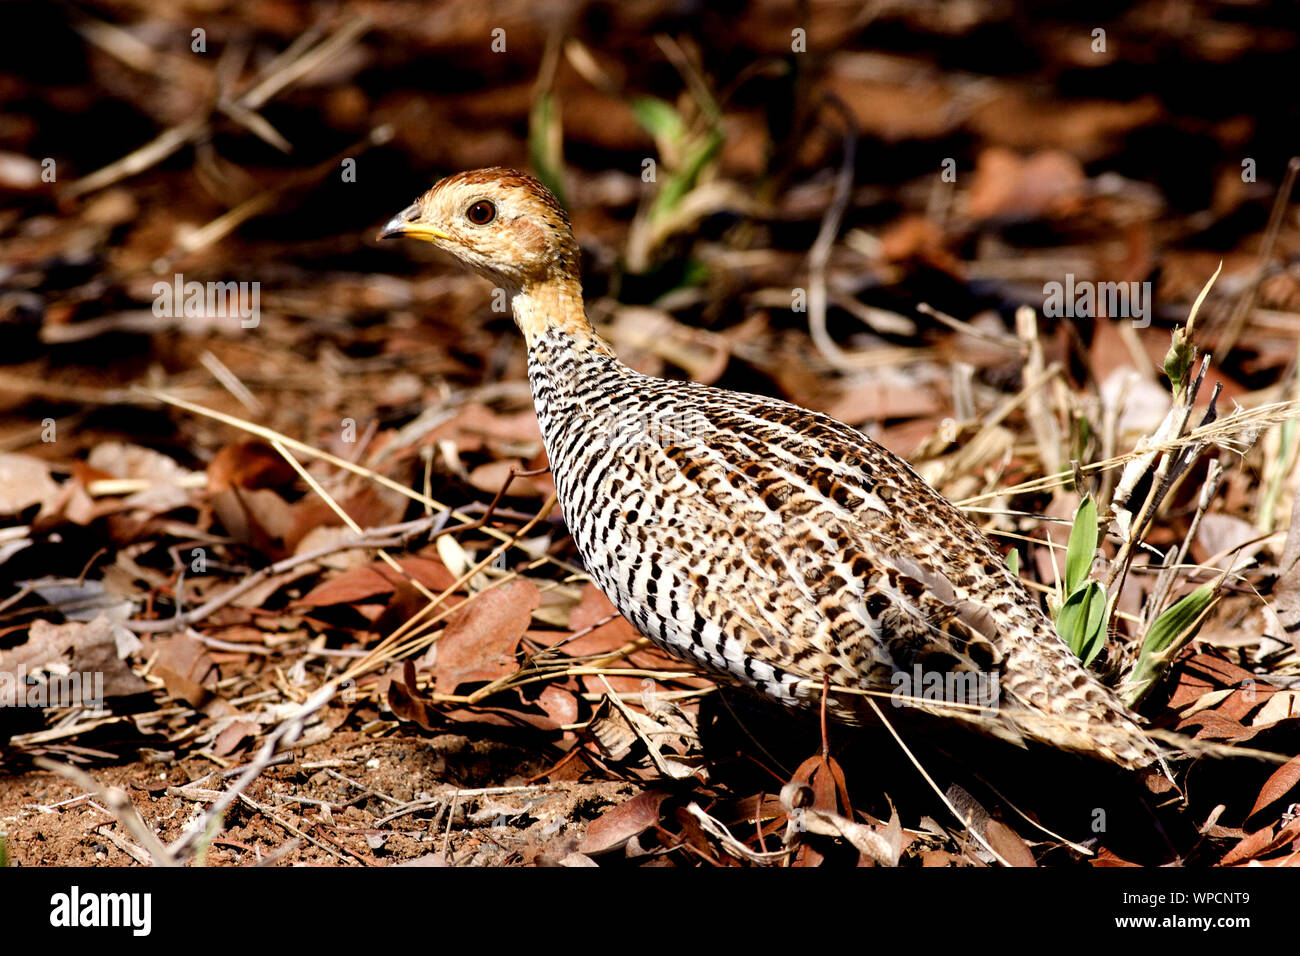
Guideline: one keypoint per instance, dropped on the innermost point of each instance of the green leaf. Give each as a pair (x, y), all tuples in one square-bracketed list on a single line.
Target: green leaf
[(678, 183), (694, 275), (4, 850), (546, 144), (659, 119), (1178, 360), (1082, 547), (1081, 434), (1176, 620), (1013, 561), (1182, 350), (1082, 621)]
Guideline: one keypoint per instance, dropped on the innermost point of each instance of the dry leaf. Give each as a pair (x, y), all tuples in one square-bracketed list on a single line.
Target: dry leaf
[(481, 637), (362, 585), (25, 481), (1283, 780), (613, 828), (84, 648), (1007, 186)]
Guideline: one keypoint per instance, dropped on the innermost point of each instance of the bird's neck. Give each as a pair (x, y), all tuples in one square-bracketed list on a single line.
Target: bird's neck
[(573, 371), (555, 306)]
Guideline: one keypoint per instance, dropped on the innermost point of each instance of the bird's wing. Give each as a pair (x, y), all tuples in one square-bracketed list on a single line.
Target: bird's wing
[(823, 534)]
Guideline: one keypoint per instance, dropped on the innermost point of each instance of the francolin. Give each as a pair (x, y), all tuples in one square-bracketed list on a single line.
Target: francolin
[(767, 544)]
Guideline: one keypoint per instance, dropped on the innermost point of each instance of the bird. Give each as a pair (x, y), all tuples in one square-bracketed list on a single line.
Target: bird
[(768, 545)]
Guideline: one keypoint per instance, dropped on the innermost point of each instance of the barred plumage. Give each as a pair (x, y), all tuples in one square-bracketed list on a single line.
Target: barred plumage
[(768, 544)]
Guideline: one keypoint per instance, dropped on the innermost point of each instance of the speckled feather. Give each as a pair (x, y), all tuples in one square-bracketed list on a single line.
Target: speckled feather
[(769, 545)]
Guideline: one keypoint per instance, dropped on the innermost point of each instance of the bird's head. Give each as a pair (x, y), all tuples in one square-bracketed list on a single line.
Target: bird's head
[(503, 224)]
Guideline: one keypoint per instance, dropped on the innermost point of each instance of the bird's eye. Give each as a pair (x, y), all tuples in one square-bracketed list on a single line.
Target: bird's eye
[(481, 213)]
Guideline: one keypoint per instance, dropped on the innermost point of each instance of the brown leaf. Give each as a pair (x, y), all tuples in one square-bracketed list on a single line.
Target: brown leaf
[(359, 585), (184, 665), (519, 715), (1213, 726), (1287, 838), (613, 828), (893, 109), (1004, 841), (886, 397), (480, 639), (260, 517), (86, 648), (168, 481), (1007, 186), (826, 778), (1024, 119), (917, 237), (593, 606), (230, 739), (1250, 847), (477, 426), (1009, 844), (1283, 780), (403, 604), (251, 465), (406, 703), (935, 858), (180, 687), (559, 704), (25, 481), (492, 477), (1204, 673), (1107, 859), (185, 655)]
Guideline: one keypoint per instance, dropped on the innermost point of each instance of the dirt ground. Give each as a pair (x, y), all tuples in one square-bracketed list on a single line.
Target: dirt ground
[(347, 800)]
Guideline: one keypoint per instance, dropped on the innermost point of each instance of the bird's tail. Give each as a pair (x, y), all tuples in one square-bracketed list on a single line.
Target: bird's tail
[(1051, 697)]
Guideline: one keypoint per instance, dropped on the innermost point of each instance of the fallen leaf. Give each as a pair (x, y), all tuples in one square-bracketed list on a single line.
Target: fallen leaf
[(592, 608), (168, 482), (492, 477), (613, 828), (180, 687), (230, 739), (1008, 186), (361, 585), (25, 481), (87, 649), (1105, 858), (559, 704), (1249, 848), (1283, 780), (477, 426), (1278, 706), (1009, 844), (251, 465), (480, 639)]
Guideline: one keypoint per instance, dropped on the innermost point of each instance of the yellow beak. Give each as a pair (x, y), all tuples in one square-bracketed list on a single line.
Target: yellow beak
[(406, 223)]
